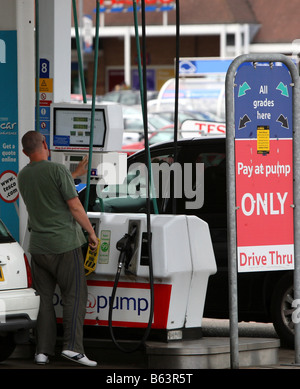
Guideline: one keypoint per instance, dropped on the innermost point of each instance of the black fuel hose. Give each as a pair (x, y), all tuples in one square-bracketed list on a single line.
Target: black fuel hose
[(147, 163), (122, 255), (174, 205)]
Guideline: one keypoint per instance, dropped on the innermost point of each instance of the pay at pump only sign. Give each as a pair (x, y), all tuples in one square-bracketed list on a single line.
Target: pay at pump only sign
[(264, 167)]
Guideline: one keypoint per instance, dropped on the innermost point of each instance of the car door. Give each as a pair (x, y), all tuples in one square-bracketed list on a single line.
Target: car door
[(13, 273), (211, 153), (214, 211)]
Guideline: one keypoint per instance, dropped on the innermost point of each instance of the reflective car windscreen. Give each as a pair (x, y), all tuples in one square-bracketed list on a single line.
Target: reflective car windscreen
[(5, 236)]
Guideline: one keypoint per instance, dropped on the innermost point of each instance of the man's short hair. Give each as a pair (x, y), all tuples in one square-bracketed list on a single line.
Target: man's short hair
[(32, 141)]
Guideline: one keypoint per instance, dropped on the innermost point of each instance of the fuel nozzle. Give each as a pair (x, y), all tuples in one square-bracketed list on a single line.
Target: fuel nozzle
[(125, 246)]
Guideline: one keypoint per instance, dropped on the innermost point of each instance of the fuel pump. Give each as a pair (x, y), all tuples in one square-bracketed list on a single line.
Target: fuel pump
[(70, 137), (183, 260), (151, 271)]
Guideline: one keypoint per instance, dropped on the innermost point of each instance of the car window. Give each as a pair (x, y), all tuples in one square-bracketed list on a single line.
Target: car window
[(129, 98), (131, 196), (214, 181), (111, 96), (137, 123), (137, 177), (134, 123), (161, 136), (158, 121), (214, 208), (211, 156), (5, 236)]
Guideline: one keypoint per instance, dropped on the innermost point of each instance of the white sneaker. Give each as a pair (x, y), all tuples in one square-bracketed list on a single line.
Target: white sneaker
[(41, 359), (77, 357)]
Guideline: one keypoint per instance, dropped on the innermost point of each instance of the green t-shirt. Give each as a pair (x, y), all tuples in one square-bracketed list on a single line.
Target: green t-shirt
[(45, 186)]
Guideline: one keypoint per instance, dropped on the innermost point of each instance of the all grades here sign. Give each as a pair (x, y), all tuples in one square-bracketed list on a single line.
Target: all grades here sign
[(264, 168)]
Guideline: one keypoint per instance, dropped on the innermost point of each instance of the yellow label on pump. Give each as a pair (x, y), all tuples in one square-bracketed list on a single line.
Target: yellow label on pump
[(263, 139), (91, 258), (46, 85)]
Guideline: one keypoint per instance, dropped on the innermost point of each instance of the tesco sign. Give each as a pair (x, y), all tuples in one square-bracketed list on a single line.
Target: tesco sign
[(193, 128)]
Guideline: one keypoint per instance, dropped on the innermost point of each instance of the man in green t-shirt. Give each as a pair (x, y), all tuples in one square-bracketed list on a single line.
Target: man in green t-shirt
[(55, 221)]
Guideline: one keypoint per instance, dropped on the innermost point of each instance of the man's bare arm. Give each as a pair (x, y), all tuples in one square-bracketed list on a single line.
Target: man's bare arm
[(81, 217)]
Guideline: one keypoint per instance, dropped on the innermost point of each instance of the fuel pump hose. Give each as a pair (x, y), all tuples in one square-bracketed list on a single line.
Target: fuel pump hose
[(148, 162)]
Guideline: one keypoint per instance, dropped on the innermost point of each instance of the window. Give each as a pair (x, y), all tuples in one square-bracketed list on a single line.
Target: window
[(170, 182), (4, 234)]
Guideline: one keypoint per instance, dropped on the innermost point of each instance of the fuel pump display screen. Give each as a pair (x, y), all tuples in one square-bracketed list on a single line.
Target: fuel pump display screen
[(72, 127)]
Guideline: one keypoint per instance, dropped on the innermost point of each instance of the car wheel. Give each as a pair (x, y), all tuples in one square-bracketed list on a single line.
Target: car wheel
[(7, 345), (281, 310)]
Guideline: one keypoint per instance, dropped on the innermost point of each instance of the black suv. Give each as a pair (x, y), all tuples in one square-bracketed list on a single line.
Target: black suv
[(262, 296)]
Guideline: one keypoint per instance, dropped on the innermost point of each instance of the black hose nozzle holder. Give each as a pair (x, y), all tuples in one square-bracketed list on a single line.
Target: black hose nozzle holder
[(124, 245)]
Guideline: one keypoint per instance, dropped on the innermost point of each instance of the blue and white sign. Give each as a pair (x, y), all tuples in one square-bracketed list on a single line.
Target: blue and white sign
[(44, 68), (9, 131), (263, 96), (203, 67), (61, 140), (121, 6)]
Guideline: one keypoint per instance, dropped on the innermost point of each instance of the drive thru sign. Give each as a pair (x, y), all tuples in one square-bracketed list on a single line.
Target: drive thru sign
[(264, 167), (263, 174)]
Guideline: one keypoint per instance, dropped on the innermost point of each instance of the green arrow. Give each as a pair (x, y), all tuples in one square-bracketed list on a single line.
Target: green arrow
[(283, 89), (243, 88)]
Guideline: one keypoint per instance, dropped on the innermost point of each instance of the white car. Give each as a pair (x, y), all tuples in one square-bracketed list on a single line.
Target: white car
[(19, 303), (134, 124)]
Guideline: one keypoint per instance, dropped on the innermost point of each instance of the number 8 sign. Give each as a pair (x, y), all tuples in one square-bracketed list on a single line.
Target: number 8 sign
[(44, 68)]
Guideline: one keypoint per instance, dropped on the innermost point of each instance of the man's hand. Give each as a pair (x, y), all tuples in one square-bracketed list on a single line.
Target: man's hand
[(81, 217), (81, 168), (93, 241)]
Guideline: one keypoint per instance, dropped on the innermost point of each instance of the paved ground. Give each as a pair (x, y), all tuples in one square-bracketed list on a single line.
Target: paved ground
[(286, 357), (286, 360), (23, 357)]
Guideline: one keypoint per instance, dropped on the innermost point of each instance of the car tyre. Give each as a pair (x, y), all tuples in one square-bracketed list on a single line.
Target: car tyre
[(7, 345), (281, 310)]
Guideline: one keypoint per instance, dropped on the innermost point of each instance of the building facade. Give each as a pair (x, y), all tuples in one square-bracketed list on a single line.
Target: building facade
[(218, 28)]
